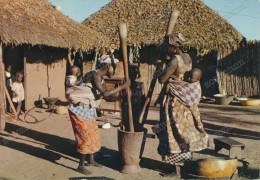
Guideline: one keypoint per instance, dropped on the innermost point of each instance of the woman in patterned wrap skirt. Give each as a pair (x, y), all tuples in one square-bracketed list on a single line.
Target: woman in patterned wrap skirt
[(83, 115), (180, 131)]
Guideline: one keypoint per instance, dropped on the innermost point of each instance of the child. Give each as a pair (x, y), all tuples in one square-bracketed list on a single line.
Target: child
[(18, 93), (194, 75), (8, 83), (188, 92), (77, 92)]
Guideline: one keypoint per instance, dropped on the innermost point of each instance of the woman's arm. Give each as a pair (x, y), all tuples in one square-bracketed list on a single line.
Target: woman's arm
[(104, 93), (168, 72)]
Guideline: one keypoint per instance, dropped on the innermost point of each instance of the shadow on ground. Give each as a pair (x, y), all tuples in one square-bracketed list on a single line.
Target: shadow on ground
[(57, 147), (230, 131)]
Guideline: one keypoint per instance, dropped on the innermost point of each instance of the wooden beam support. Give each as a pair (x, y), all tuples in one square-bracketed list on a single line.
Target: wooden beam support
[(10, 102), (2, 91), (25, 82)]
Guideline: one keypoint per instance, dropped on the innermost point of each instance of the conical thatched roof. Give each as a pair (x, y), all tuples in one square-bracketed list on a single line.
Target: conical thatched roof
[(147, 22), (37, 22)]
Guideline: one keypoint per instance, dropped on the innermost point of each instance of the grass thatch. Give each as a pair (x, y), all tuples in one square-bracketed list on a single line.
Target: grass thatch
[(37, 22), (147, 22)]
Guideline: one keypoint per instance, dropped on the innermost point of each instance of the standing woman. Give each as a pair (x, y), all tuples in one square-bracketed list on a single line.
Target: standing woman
[(181, 131), (83, 114)]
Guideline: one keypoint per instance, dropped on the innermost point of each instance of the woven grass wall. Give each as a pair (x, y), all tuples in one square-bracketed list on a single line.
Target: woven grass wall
[(239, 72)]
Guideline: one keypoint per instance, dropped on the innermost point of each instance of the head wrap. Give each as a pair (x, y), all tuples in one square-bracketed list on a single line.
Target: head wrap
[(107, 59)]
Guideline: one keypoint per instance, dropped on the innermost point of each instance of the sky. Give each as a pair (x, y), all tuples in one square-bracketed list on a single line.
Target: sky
[(244, 15)]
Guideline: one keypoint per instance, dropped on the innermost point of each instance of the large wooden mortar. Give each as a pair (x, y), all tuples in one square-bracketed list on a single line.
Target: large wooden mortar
[(131, 147)]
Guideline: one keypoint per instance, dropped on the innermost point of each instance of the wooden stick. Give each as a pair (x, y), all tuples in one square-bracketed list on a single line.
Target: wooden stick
[(172, 21), (123, 36), (2, 83), (143, 110), (10, 102), (171, 24), (25, 82)]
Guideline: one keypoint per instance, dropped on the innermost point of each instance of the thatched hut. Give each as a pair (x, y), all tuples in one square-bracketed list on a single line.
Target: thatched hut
[(35, 38), (147, 20)]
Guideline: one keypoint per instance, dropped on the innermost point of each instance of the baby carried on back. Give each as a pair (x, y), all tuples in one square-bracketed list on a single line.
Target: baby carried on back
[(188, 92), (81, 93)]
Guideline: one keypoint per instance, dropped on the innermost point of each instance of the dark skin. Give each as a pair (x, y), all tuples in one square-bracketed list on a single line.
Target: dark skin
[(75, 71), (108, 71), (195, 75), (171, 51), (9, 69), (96, 81), (173, 64)]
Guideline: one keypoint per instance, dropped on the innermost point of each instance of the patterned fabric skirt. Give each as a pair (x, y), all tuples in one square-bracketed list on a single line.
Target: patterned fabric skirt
[(180, 132), (86, 134)]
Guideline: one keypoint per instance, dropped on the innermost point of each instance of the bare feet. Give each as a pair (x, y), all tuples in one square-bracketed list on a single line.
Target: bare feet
[(83, 170), (173, 174), (94, 163)]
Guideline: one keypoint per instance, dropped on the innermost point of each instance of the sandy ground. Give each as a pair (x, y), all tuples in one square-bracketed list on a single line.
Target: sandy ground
[(46, 150)]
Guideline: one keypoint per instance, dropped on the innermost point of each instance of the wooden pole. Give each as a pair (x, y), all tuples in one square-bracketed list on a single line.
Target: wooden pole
[(25, 82), (172, 21), (10, 102), (123, 36), (140, 120), (94, 61), (2, 94), (144, 113), (48, 81)]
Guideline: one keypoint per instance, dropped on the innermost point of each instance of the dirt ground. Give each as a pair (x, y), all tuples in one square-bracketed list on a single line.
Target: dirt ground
[(46, 150)]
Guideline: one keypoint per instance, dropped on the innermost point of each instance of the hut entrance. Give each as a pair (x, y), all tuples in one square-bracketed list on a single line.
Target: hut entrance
[(14, 57)]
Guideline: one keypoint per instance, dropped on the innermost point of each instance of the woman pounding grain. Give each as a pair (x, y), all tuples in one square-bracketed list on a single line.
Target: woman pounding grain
[(82, 108), (181, 131)]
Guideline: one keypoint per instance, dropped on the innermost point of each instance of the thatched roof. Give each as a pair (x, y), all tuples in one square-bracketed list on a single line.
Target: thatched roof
[(37, 22), (147, 22)]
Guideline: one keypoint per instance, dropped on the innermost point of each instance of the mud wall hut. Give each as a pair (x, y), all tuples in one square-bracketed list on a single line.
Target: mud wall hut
[(34, 39), (147, 21)]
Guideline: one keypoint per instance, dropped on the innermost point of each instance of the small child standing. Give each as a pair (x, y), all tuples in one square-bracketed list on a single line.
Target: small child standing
[(18, 93), (8, 83)]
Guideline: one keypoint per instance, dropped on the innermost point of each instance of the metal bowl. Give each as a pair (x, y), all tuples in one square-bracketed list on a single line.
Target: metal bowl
[(211, 168), (223, 99)]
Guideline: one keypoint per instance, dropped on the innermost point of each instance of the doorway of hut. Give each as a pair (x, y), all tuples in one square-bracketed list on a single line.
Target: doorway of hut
[(208, 65), (14, 56)]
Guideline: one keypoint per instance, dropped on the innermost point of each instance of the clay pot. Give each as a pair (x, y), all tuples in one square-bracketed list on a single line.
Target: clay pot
[(249, 102), (211, 168), (131, 147)]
